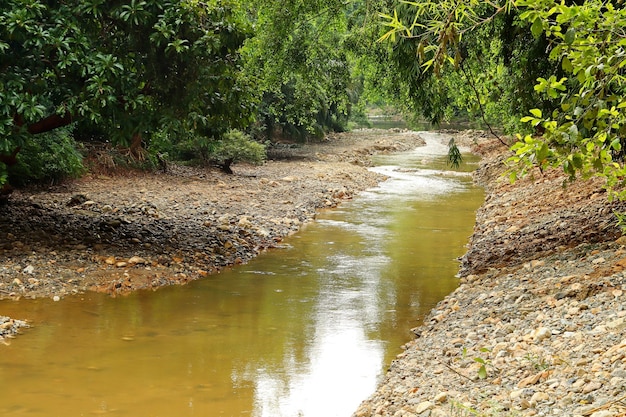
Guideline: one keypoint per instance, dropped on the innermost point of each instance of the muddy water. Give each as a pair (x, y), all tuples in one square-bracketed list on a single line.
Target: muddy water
[(307, 330)]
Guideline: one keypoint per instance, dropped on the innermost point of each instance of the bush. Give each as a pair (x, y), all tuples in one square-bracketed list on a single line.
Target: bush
[(236, 146), (47, 157)]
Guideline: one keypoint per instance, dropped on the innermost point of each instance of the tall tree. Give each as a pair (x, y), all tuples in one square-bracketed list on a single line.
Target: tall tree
[(300, 65)]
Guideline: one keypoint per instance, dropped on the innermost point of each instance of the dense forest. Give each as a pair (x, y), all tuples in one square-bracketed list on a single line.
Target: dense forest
[(217, 81)]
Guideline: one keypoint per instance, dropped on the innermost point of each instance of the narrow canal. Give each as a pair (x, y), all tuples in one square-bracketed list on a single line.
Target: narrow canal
[(307, 330)]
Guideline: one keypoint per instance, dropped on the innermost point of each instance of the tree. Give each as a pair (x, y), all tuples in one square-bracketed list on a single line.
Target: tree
[(299, 62), (133, 67), (582, 118)]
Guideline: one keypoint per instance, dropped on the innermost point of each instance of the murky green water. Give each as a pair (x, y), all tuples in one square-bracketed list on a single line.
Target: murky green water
[(303, 331)]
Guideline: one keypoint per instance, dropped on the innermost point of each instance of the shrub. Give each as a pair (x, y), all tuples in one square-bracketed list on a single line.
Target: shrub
[(236, 146), (47, 157)]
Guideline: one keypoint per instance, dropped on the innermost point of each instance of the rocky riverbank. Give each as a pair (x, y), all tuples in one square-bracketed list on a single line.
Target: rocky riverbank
[(131, 231), (537, 326)]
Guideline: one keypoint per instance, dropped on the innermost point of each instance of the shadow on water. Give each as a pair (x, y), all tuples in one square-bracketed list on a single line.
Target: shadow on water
[(303, 331)]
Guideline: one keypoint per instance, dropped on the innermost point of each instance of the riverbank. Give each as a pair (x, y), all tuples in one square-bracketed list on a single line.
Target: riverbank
[(538, 323), (132, 231)]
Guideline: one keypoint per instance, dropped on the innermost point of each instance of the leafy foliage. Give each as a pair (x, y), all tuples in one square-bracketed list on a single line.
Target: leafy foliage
[(581, 118), (585, 133), (48, 157), (131, 66), (235, 147), (301, 67)]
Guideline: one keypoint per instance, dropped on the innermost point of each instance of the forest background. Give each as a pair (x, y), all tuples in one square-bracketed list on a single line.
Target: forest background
[(218, 81)]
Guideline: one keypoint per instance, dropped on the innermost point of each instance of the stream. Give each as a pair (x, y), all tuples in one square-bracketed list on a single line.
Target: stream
[(306, 330)]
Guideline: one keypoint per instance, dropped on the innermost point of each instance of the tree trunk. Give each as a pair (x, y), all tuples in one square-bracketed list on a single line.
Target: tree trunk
[(226, 166), (10, 160), (136, 150)]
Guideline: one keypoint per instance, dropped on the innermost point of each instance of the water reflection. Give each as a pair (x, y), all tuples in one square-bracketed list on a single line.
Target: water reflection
[(307, 330)]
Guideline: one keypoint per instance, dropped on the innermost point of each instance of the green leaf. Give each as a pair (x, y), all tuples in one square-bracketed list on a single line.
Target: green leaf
[(543, 152), (566, 64), (616, 144), (536, 112), (537, 27), (482, 372), (570, 36), (598, 165)]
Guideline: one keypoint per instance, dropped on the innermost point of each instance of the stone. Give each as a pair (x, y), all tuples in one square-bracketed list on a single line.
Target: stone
[(516, 393), (137, 260), (541, 334), (245, 222), (442, 397), (539, 397), (617, 324), (529, 380), (424, 406), (592, 386)]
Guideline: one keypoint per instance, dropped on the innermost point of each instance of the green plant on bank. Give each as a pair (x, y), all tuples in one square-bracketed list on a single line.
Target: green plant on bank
[(234, 146), (621, 220), (495, 409), (48, 157), (582, 124), (454, 155), (458, 409), (539, 363), (484, 363)]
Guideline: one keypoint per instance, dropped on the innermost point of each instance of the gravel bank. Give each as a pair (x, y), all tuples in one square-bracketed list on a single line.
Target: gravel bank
[(136, 231), (537, 326)]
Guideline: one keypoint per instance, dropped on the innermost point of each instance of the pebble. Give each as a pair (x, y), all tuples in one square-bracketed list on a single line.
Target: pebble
[(423, 406), (10, 327)]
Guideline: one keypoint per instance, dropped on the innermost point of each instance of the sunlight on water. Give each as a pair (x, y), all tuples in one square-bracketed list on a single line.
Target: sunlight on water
[(307, 330)]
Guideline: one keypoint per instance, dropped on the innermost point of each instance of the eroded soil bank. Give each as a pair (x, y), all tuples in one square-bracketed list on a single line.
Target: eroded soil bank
[(538, 323)]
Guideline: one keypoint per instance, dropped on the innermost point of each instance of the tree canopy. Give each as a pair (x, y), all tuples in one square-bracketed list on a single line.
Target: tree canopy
[(184, 74), (574, 114), (123, 64), (129, 66)]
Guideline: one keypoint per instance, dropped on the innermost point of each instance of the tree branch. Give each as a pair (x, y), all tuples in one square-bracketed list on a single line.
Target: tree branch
[(480, 105), (50, 123)]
